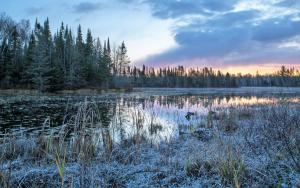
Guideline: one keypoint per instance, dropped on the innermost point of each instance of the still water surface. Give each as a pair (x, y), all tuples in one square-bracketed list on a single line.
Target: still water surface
[(155, 114)]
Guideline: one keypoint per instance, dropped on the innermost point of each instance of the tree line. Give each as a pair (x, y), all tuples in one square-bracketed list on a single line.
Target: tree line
[(36, 59), (207, 77)]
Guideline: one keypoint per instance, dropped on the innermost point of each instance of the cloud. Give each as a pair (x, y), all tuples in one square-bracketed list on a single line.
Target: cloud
[(220, 21), (276, 29), (34, 10), (177, 8), (204, 44), (86, 7), (289, 3), (226, 35)]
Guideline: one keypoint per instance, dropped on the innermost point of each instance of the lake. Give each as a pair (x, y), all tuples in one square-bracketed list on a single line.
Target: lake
[(155, 113)]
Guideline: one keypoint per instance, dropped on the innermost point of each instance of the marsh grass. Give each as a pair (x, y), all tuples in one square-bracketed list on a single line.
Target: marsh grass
[(60, 160), (198, 167), (210, 119), (227, 121), (232, 170), (58, 148), (138, 119), (3, 180)]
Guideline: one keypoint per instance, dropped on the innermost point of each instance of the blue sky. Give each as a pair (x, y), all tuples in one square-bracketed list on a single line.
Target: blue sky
[(231, 33)]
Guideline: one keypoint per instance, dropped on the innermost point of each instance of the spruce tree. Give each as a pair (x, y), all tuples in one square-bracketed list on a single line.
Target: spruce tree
[(72, 70), (105, 63), (16, 55), (98, 52), (59, 51), (88, 55), (123, 59), (5, 61), (27, 77), (42, 66), (2, 61), (79, 58)]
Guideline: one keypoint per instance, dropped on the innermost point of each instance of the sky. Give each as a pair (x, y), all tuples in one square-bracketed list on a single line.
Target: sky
[(232, 35)]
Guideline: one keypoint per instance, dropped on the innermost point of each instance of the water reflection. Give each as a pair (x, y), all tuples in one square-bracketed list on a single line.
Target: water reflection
[(153, 118)]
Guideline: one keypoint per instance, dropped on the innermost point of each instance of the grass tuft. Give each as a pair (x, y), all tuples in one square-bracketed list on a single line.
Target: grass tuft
[(60, 160), (232, 170), (197, 168)]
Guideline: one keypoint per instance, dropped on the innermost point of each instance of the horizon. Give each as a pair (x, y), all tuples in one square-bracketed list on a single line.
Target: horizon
[(236, 36)]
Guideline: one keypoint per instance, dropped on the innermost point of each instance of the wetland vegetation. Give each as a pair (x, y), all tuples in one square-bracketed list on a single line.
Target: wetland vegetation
[(233, 138)]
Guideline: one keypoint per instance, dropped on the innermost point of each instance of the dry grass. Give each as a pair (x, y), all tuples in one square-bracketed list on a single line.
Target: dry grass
[(198, 167), (232, 170), (227, 121)]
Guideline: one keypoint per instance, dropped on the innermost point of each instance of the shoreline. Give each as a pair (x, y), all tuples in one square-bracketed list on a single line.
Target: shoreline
[(84, 91), (91, 91)]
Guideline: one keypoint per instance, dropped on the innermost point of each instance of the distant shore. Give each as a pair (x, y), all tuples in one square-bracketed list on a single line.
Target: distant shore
[(97, 91), (84, 91)]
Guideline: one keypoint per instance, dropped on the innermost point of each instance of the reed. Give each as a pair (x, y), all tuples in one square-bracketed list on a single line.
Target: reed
[(60, 160)]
